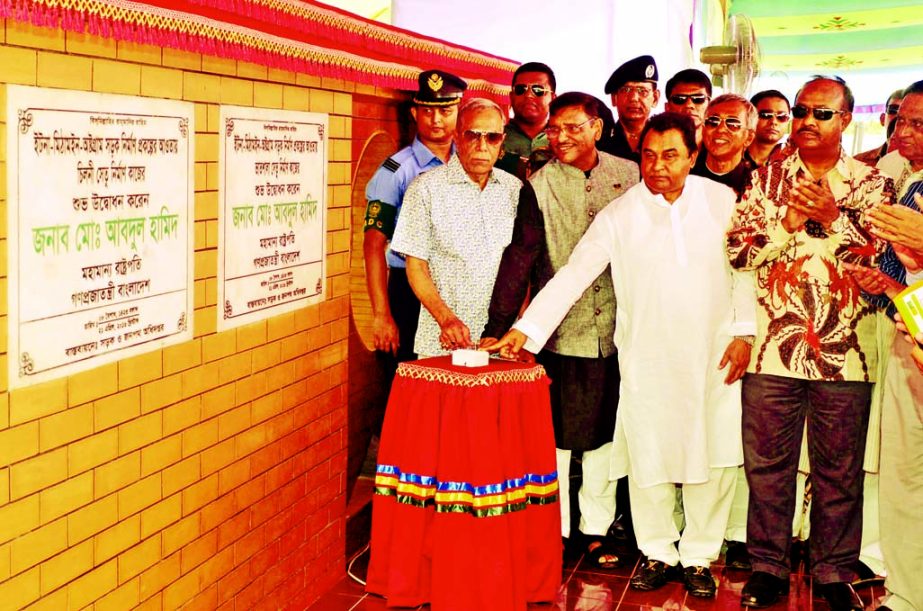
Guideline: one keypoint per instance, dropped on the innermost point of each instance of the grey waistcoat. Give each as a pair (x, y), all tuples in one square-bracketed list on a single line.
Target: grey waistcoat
[(569, 202)]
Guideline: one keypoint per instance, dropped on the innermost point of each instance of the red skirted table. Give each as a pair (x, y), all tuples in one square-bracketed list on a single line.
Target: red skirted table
[(465, 513)]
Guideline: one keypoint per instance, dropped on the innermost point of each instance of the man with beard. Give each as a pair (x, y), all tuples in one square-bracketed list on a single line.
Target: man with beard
[(773, 113), (633, 88), (530, 95), (556, 206)]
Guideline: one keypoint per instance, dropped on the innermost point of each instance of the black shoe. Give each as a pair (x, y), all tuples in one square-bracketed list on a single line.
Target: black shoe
[(699, 582), (866, 577), (762, 590), (737, 557), (652, 575), (840, 596)]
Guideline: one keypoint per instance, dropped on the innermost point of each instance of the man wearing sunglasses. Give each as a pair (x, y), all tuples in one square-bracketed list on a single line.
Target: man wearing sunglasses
[(681, 310), (801, 221), (872, 156), (394, 306), (688, 93), (556, 206), (726, 133), (633, 88), (773, 113), (455, 223), (530, 95)]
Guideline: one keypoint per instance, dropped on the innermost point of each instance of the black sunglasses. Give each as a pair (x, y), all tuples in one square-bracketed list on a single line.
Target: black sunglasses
[(893, 108), (471, 136), (537, 90), (680, 99), (781, 117), (821, 114)]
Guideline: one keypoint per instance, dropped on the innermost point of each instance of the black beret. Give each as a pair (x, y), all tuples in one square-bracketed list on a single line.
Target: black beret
[(438, 88), (639, 69)]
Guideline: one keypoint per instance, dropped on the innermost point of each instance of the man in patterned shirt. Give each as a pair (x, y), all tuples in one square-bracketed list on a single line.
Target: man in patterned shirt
[(815, 354), (455, 223)]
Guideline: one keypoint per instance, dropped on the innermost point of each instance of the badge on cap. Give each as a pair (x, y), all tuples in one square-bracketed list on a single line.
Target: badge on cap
[(649, 71), (434, 81)]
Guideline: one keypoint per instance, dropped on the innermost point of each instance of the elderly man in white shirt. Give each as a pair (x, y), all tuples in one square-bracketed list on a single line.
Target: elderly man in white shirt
[(684, 327), (455, 222)]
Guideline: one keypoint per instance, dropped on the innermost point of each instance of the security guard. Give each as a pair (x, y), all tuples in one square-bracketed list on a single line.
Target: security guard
[(633, 87), (394, 306)]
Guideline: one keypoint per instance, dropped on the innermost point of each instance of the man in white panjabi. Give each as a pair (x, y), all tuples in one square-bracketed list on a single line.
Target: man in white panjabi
[(683, 329)]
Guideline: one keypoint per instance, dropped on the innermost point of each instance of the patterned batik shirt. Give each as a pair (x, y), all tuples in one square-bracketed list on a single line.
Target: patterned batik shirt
[(460, 231), (811, 322)]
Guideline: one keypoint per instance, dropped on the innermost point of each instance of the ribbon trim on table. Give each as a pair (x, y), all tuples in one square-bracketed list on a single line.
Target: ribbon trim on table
[(461, 497), (456, 378)]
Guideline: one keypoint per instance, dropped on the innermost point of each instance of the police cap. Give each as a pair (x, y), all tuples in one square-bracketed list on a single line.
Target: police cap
[(639, 69), (438, 88)]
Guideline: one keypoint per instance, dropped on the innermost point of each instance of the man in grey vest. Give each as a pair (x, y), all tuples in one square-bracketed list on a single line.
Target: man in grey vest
[(556, 207)]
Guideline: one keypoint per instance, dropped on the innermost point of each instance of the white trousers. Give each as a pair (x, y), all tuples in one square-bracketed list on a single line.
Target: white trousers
[(706, 508), (737, 520), (596, 497)]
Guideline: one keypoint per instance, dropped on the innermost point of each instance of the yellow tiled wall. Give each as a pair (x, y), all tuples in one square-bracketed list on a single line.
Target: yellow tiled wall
[(209, 474)]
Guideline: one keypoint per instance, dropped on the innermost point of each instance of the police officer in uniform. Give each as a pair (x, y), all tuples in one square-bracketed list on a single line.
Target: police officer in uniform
[(633, 87), (394, 306)]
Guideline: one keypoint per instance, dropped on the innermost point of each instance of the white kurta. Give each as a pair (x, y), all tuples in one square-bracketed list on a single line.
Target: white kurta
[(679, 306)]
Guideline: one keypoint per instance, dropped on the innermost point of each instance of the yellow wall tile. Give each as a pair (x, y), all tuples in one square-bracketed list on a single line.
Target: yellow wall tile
[(178, 535), (206, 203), (84, 590), (199, 240), (213, 118), (175, 58), (65, 427), (21, 590), (36, 473), (157, 517), (116, 77), (4, 562), (67, 565), (139, 495), (4, 489), (251, 335), (124, 534), (161, 454), (295, 98), (221, 65), (65, 71), (4, 410), (251, 71), (218, 401), (201, 87), (211, 176), (307, 80), (140, 432), (19, 517), (280, 76), (342, 103), (17, 66), (156, 394), (206, 148), (199, 437), (30, 549), (126, 596), (236, 91), (117, 474), (18, 443), (67, 496), (211, 234), (198, 380), (161, 82), (201, 117), (267, 95), (38, 400), (180, 475), (93, 384), (139, 558), (340, 150), (91, 519), (139, 369), (119, 408), (321, 101), (92, 451), (23, 34), (198, 494), (181, 591), (155, 578), (143, 54), (88, 44), (182, 356), (206, 263), (182, 415)]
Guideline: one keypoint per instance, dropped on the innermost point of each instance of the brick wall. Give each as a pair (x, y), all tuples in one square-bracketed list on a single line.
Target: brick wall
[(209, 474)]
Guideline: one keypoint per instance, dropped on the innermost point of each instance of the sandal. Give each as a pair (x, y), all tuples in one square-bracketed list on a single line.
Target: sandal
[(601, 553)]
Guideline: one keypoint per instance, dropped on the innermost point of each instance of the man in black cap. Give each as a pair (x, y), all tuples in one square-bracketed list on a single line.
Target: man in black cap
[(526, 144), (633, 87), (394, 306)]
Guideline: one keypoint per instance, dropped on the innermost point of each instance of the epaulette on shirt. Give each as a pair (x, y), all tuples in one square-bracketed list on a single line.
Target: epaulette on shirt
[(391, 165)]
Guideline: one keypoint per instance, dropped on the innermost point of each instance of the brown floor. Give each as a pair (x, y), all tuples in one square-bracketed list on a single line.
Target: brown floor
[(584, 589)]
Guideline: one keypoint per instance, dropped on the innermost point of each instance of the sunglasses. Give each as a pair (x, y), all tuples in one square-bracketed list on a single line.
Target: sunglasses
[(733, 123), (893, 108), (643, 92), (821, 114), (537, 90), (570, 128), (472, 136), (781, 117), (680, 99)]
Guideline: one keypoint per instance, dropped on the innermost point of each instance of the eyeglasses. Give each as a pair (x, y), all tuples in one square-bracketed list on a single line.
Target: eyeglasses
[(733, 123), (537, 90), (472, 136), (893, 108), (569, 128), (680, 99), (821, 114), (781, 117), (643, 92)]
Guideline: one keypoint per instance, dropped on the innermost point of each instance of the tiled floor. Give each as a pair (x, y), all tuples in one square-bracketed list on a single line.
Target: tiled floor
[(585, 589)]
